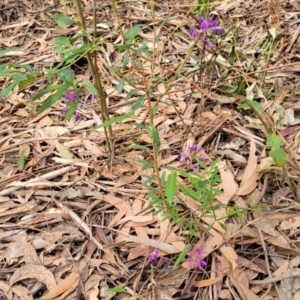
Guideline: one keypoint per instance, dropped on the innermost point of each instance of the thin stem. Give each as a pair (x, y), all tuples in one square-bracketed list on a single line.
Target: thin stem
[(94, 70)]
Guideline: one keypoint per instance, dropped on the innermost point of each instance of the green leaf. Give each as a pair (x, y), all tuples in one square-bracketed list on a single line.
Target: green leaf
[(255, 104), (138, 102), (189, 192), (121, 85), (171, 187), (63, 20), (155, 136), (7, 72), (182, 255), (67, 75), (19, 77), (23, 84), (46, 90), (125, 59), (130, 94), (140, 147), (25, 67), (90, 87), (251, 200), (115, 120), (53, 98), (132, 33), (274, 141), (8, 89), (21, 162), (2, 52), (72, 109), (117, 290), (63, 151), (63, 41), (279, 156)]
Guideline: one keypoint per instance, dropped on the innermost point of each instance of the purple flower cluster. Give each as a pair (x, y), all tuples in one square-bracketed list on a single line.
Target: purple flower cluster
[(197, 262), (71, 99), (185, 158), (154, 256), (206, 24)]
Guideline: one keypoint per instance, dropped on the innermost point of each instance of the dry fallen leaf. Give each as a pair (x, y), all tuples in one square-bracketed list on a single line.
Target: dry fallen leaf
[(40, 273)]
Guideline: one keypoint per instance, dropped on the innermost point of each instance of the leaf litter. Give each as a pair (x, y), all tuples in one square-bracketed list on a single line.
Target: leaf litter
[(75, 222)]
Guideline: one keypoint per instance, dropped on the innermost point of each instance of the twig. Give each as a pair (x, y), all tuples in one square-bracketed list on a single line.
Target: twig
[(292, 274)]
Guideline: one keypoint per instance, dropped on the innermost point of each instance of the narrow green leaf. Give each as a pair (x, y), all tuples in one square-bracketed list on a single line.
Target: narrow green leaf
[(140, 147), (115, 120), (90, 87), (2, 52), (53, 98), (189, 192), (171, 187), (8, 89), (46, 90), (21, 162), (155, 136), (138, 102), (117, 290), (121, 85), (182, 255), (7, 72)]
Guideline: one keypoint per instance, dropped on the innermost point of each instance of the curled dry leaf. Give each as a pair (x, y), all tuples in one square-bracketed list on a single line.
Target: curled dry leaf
[(39, 273)]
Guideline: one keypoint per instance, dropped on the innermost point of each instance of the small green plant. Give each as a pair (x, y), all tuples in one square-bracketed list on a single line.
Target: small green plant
[(277, 153), (200, 186), (236, 211)]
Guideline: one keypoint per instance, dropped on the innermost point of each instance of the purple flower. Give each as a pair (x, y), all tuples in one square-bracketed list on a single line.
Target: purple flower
[(198, 252), (80, 105), (64, 110), (193, 148), (204, 25), (93, 98), (164, 260), (201, 158), (203, 39), (183, 158), (72, 95), (65, 100), (188, 163), (219, 30), (201, 263), (199, 148), (213, 23), (153, 255), (210, 44), (193, 32), (195, 168), (198, 261), (76, 116), (189, 260)]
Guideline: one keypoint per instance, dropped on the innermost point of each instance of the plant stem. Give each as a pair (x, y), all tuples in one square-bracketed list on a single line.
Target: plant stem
[(94, 70)]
